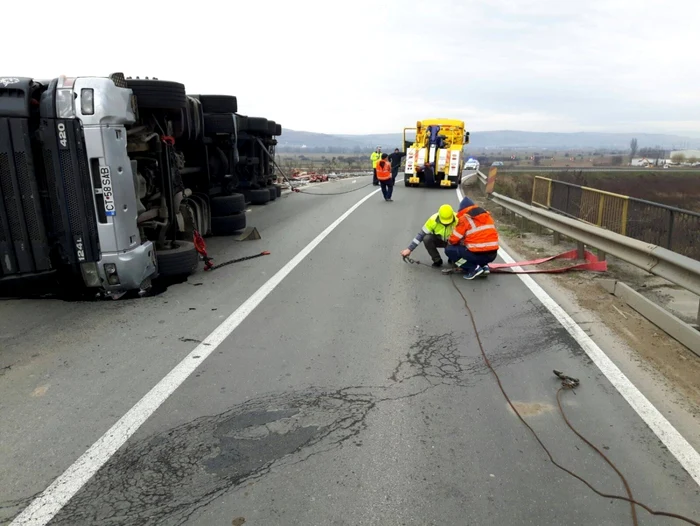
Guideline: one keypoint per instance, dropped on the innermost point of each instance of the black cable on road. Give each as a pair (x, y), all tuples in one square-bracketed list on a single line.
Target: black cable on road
[(629, 499)]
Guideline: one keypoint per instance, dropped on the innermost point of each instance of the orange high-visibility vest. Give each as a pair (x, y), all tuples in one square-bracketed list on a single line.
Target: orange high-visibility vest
[(384, 170), (475, 230)]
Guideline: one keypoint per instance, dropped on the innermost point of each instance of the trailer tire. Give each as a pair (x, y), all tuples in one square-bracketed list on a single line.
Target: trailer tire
[(227, 225), (158, 94), (215, 123), (278, 189), (271, 128), (273, 192), (180, 261), (218, 103), (257, 125), (278, 129), (242, 123), (226, 205), (259, 196)]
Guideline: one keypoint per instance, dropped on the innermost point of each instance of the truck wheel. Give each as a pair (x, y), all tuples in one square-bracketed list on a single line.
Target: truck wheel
[(258, 125), (405, 181), (218, 103), (219, 123), (271, 127), (242, 122), (259, 196), (179, 261), (278, 129), (278, 189), (227, 225), (158, 94), (227, 205), (273, 192)]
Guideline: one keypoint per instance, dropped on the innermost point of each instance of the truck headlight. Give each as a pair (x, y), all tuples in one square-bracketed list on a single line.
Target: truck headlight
[(111, 271), (64, 104), (87, 101)]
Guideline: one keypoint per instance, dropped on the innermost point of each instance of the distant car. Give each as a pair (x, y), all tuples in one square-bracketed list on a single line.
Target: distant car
[(471, 164), (497, 163)]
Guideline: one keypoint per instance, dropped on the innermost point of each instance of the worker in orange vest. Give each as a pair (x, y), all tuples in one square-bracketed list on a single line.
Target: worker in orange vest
[(385, 178), (473, 243)]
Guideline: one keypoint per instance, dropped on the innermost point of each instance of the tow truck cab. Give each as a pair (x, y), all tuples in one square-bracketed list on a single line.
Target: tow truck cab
[(439, 142)]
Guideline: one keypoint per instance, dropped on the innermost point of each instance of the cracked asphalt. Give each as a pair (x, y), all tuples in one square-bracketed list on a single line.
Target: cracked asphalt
[(354, 394)]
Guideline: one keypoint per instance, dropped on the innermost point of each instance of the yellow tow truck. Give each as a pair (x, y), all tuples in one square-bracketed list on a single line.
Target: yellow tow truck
[(439, 142)]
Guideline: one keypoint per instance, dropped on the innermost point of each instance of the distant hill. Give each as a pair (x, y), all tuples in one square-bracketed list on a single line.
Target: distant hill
[(292, 140)]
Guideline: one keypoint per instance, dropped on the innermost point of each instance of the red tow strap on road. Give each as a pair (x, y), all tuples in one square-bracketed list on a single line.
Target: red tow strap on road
[(592, 263), (201, 247)]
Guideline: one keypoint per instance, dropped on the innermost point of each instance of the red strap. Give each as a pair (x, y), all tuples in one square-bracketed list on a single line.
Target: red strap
[(168, 139), (201, 247)]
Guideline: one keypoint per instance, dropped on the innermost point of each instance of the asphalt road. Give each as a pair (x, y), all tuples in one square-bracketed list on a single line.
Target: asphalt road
[(355, 393)]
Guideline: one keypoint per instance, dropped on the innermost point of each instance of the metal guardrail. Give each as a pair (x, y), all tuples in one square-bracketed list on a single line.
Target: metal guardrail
[(674, 267), (662, 225)]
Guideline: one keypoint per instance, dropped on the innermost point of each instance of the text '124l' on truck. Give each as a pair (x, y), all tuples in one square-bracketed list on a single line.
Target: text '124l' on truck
[(105, 180), (439, 142)]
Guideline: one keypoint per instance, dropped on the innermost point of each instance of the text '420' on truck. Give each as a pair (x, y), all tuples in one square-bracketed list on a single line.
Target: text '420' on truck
[(105, 180), (439, 142)]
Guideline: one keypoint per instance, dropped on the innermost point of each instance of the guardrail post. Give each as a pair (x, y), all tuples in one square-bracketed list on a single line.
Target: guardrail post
[(580, 250), (698, 318), (601, 255), (557, 238)]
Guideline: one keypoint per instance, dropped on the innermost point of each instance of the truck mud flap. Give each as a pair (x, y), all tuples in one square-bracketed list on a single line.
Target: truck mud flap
[(73, 216), (24, 247)]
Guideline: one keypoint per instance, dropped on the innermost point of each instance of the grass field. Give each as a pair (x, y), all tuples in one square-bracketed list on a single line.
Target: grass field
[(681, 190)]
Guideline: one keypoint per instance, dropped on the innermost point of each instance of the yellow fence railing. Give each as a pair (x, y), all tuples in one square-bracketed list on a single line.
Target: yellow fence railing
[(597, 207)]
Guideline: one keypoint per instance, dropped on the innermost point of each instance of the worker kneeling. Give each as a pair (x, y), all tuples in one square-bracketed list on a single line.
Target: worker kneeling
[(435, 234), (473, 243)]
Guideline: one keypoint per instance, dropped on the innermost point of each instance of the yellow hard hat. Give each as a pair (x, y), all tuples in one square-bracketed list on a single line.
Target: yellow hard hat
[(446, 214)]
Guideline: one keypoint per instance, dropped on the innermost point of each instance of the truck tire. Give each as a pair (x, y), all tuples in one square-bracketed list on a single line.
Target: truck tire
[(227, 225), (215, 123), (273, 192), (278, 189), (259, 196), (218, 103), (271, 127), (179, 261), (154, 94), (242, 123), (257, 125), (278, 130), (227, 205)]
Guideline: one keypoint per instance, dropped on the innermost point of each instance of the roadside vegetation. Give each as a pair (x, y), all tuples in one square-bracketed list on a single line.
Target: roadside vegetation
[(677, 189)]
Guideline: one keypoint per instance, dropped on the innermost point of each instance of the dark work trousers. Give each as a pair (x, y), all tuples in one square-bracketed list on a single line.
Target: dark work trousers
[(387, 188), (472, 259), (394, 173), (432, 243), (375, 181)]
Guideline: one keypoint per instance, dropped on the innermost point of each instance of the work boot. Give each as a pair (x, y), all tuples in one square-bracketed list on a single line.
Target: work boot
[(437, 263)]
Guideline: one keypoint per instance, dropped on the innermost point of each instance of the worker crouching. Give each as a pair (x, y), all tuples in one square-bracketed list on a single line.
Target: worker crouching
[(473, 243), (435, 234)]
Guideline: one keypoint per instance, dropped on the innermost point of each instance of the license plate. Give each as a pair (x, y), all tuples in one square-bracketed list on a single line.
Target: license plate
[(445, 182), (414, 180), (107, 191)]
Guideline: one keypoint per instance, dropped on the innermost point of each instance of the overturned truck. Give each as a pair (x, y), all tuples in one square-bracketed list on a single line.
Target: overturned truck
[(104, 181)]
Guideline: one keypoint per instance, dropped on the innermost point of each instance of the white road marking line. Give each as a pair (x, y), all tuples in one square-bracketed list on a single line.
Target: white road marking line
[(56, 496), (679, 447)]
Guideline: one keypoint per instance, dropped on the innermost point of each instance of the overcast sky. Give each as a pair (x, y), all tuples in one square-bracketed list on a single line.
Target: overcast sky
[(365, 66)]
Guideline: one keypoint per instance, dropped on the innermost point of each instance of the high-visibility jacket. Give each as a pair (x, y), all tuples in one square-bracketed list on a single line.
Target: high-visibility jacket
[(384, 170), (475, 230), (435, 227), (375, 157)]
